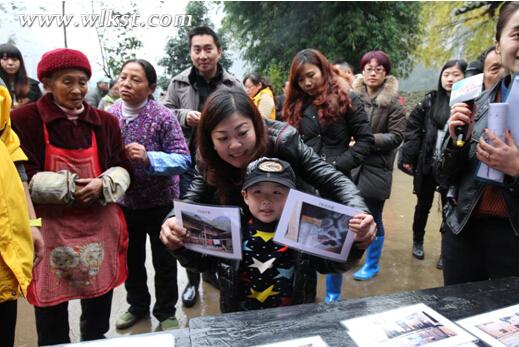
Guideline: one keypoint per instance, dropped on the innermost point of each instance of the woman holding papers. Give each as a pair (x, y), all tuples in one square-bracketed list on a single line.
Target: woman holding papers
[(328, 117), (425, 128), (231, 134), (481, 220)]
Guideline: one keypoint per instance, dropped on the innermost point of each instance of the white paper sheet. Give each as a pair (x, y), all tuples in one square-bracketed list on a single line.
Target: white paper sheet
[(313, 341), (213, 230), (316, 226), (410, 326), (499, 328), (159, 340), (497, 123)]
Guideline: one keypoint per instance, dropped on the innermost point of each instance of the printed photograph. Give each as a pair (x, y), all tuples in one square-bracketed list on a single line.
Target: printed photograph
[(417, 329), (411, 326), (319, 228), (315, 225), (213, 230), (505, 329), (313, 341), (214, 234), (497, 328)]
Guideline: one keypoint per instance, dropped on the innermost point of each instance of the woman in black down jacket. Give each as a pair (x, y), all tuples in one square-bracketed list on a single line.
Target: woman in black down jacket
[(330, 119), (424, 128)]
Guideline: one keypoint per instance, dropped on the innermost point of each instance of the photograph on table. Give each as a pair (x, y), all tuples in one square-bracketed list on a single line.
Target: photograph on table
[(498, 328), (315, 225), (313, 341), (410, 326), (212, 230), (158, 340)]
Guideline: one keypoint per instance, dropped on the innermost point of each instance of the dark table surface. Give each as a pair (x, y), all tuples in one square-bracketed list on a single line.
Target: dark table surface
[(285, 323)]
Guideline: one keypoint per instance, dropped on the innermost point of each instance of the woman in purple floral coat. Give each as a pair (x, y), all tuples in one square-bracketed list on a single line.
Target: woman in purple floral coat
[(157, 149)]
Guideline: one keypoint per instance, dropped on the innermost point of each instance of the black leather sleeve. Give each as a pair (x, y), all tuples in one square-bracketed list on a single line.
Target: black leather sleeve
[(451, 164)]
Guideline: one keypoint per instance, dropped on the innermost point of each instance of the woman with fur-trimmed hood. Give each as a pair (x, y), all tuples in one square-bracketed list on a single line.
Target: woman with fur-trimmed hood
[(379, 92)]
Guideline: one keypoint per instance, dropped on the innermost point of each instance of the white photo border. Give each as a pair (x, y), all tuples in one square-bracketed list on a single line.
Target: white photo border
[(234, 215), (293, 205), (365, 330), (470, 323)]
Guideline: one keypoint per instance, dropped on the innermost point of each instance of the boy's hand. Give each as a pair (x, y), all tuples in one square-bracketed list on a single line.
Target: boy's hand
[(172, 235), (364, 227)]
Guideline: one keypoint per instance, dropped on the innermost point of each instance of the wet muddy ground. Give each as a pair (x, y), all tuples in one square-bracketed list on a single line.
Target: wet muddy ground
[(399, 272)]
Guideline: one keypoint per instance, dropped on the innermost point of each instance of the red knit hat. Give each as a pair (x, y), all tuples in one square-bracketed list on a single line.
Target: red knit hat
[(60, 59)]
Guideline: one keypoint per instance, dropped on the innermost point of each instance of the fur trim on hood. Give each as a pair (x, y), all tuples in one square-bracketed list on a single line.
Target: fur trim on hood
[(384, 98)]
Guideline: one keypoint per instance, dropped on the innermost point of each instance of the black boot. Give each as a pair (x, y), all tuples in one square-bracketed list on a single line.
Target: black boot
[(418, 252), (439, 263), (190, 293)]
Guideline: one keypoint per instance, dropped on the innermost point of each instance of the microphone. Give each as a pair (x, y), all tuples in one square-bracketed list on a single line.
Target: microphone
[(461, 131), (467, 90)]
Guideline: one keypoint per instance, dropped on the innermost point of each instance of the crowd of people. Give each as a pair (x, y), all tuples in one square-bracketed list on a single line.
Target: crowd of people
[(88, 177)]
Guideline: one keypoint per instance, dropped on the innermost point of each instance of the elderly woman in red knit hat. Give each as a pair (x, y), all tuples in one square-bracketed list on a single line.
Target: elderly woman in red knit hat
[(77, 170)]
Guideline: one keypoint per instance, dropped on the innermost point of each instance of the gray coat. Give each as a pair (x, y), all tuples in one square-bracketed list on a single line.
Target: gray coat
[(387, 118), (182, 96), (93, 96)]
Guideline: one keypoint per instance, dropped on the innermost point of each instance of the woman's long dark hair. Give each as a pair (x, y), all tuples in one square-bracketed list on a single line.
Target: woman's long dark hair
[(226, 178), (440, 110), (333, 100), (20, 82)]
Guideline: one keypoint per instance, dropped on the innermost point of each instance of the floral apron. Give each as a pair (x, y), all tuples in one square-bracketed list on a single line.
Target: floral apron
[(85, 246)]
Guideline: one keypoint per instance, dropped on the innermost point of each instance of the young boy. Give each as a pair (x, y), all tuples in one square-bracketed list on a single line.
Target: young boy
[(269, 274), (266, 271)]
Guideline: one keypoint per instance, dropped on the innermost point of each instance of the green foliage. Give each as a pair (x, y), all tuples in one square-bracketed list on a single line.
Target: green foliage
[(115, 51), (276, 76), (177, 57), (456, 29), (123, 51), (271, 33)]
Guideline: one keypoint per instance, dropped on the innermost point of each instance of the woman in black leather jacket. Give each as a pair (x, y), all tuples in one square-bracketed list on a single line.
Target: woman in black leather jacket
[(231, 134), (328, 118), (480, 237)]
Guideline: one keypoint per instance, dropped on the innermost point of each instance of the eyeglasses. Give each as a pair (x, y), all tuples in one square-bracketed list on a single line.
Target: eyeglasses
[(377, 69)]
